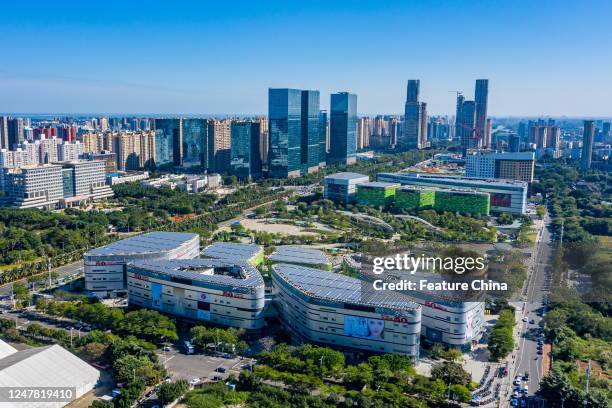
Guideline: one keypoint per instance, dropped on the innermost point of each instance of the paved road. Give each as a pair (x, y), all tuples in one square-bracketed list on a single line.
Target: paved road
[(62, 271), (535, 290)]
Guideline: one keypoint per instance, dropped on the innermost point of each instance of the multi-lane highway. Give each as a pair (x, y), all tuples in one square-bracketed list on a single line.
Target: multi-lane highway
[(526, 359), (529, 361)]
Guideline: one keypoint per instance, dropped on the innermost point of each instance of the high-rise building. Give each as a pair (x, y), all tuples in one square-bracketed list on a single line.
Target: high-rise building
[(588, 137), (219, 145), (488, 142), (67, 132), (103, 124), (25, 154), (48, 150), (263, 138), (411, 136), (424, 120), (69, 151), (16, 133), (92, 142), (538, 135), (481, 96), (605, 132), (363, 132), (395, 130), (458, 118), (169, 141), (284, 116), (309, 129), (323, 138), (343, 128), (245, 162), (466, 123), (127, 149), (195, 142), (553, 137), (523, 131), (514, 143), (4, 141)]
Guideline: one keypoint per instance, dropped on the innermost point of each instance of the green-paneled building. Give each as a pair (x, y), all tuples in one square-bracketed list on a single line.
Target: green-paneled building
[(376, 193), (469, 202), (408, 198)]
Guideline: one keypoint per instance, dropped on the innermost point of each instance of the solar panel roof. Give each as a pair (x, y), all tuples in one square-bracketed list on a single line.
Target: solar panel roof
[(151, 242), (339, 288), (248, 276), (299, 254), (232, 251)]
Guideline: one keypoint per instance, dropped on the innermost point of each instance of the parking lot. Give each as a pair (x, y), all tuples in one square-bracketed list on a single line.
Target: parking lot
[(201, 366)]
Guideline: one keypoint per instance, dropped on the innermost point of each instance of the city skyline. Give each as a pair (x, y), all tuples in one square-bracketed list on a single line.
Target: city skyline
[(159, 60)]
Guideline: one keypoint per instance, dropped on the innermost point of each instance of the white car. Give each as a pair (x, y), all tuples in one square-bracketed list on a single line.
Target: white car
[(194, 381), (525, 319), (517, 380)]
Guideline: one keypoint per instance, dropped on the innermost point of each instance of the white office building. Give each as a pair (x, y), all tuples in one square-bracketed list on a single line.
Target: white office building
[(84, 180), (32, 186), (210, 290), (105, 267)]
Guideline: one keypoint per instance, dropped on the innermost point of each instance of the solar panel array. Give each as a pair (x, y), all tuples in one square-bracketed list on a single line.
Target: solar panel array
[(151, 242), (232, 251), (248, 276), (339, 288), (299, 254)]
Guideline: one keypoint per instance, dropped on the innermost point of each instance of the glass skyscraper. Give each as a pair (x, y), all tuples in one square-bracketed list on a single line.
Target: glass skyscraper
[(284, 115), (168, 141), (412, 136), (195, 142), (322, 138), (343, 128), (588, 138), (309, 146), (467, 123), (481, 96), (245, 162)]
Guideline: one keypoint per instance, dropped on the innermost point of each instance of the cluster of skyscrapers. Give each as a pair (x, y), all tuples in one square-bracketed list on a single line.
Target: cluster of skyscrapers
[(472, 127), (298, 131)]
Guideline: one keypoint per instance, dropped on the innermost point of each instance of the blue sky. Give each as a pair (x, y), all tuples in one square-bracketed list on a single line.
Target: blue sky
[(542, 57)]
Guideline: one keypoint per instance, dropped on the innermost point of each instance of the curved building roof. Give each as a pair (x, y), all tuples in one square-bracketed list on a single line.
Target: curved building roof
[(339, 288), (295, 254), (232, 251), (149, 243), (217, 271)]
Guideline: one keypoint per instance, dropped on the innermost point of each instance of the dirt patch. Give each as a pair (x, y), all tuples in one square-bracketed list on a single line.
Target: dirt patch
[(285, 229)]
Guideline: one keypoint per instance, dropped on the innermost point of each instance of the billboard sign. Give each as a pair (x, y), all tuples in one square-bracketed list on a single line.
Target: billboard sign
[(364, 327)]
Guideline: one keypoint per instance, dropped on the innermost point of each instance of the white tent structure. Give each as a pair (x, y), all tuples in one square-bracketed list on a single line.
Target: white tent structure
[(6, 349), (49, 366)]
